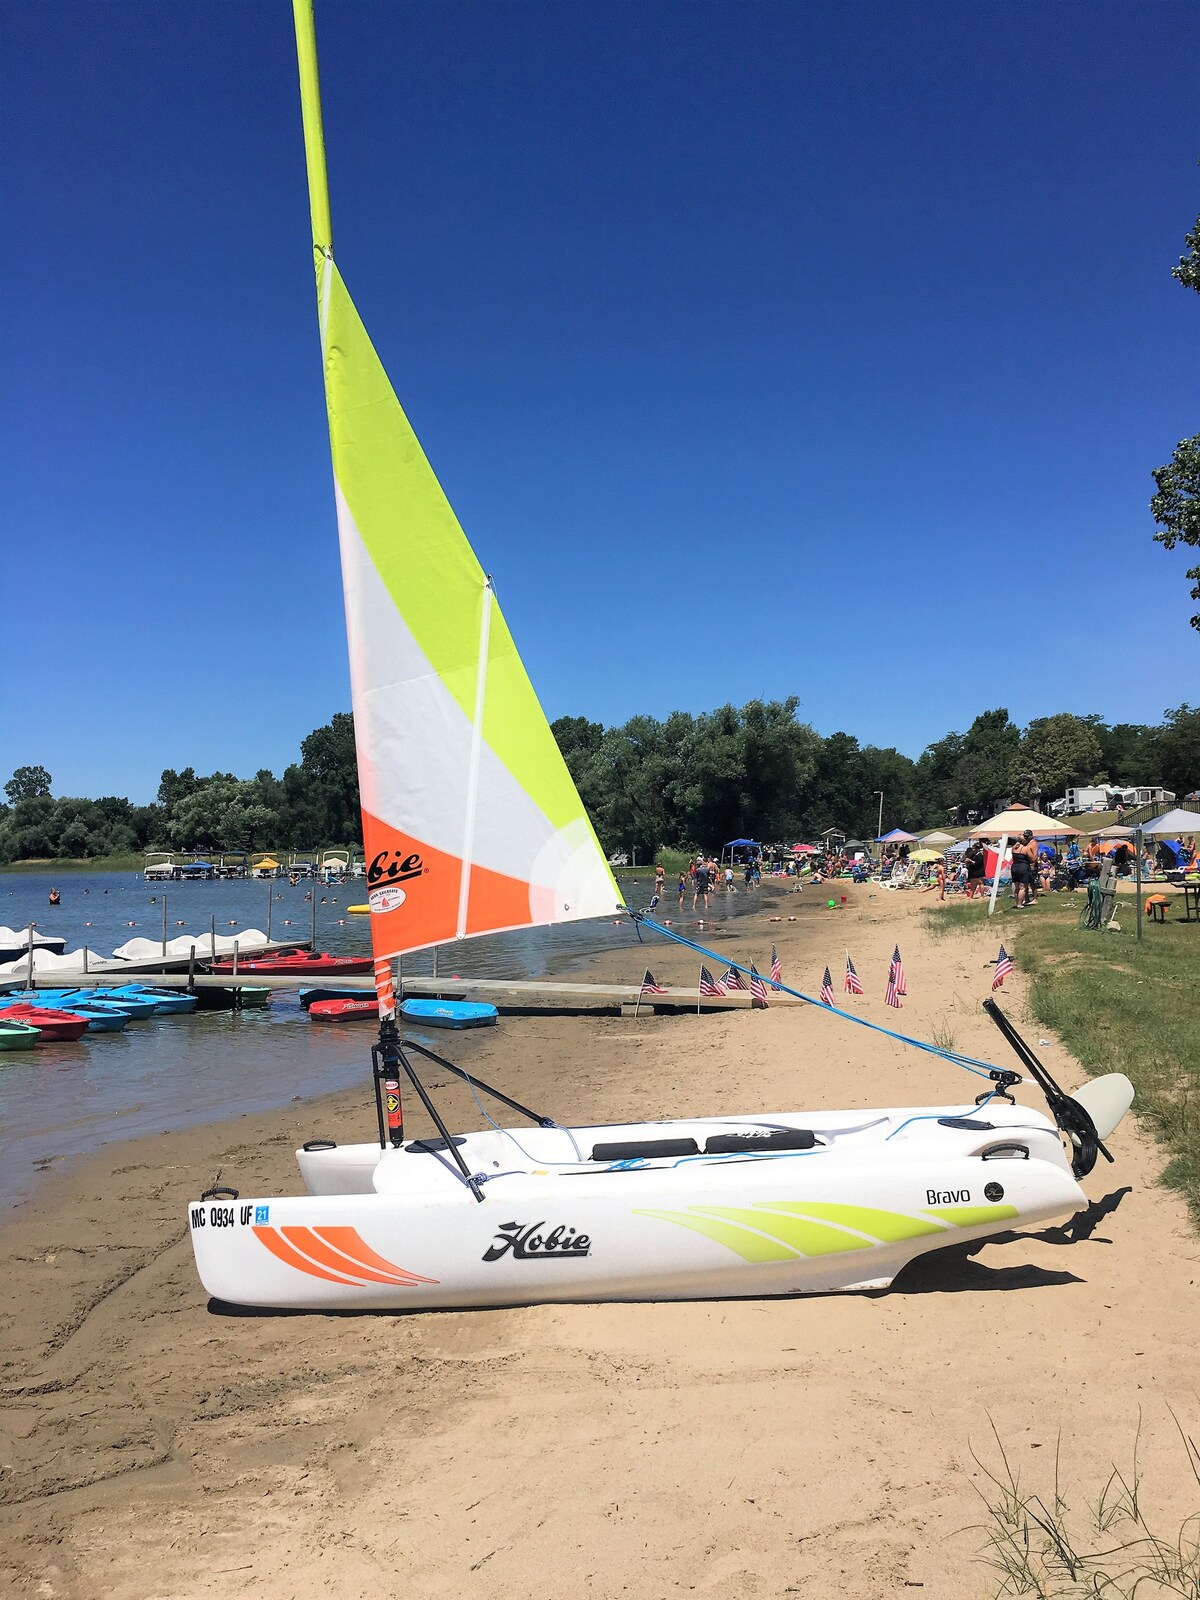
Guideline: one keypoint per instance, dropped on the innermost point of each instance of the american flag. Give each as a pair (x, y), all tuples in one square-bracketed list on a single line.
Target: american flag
[(1003, 968), (649, 986), (853, 981), (776, 968), (758, 989), (733, 979), (826, 989), (709, 985), (895, 983)]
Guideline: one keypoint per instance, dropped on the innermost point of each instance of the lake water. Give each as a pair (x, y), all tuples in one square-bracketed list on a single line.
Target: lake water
[(62, 1099)]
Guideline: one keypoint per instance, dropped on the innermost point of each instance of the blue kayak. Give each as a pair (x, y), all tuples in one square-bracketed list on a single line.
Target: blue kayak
[(133, 1005), (173, 1001), (100, 1018), (449, 1013)]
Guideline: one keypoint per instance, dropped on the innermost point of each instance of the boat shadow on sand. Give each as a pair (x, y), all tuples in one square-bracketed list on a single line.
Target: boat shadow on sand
[(950, 1271), (956, 1271)]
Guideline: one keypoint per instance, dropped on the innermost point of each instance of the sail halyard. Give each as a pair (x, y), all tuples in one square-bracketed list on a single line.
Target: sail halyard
[(471, 821)]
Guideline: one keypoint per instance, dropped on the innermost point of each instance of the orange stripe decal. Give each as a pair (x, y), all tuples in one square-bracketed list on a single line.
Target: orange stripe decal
[(306, 1241), (350, 1243), (292, 1258)]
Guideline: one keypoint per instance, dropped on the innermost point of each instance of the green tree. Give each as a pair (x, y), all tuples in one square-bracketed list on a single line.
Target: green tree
[(1179, 749), (28, 783), (1176, 506), (1188, 270), (1057, 751), (981, 773)]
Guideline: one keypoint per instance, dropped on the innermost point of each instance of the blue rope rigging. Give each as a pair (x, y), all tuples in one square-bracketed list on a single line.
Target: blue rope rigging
[(981, 1069)]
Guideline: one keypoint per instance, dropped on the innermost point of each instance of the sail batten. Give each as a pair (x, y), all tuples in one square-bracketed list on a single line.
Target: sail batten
[(472, 823)]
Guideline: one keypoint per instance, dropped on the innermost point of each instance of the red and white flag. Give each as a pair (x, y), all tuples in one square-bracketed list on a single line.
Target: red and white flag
[(853, 983), (649, 986), (826, 989), (758, 989), (710, 987), (776, 968), (1003, 967), (895, 983), (733, 979)]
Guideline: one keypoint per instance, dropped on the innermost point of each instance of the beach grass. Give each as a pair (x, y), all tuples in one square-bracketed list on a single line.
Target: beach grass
[(1119, 1006), (53, 864)]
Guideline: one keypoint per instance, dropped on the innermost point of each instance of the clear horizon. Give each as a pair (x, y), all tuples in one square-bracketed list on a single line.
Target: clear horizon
[(763, 351)]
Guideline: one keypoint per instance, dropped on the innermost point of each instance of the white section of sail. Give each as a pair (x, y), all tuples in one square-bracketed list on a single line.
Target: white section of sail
[(416, 758)]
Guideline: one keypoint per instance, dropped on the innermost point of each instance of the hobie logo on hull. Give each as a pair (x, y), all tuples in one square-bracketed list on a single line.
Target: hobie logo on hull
[(526, 1242)]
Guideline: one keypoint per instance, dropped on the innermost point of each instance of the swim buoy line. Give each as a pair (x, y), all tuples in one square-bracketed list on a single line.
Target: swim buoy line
[(982, 1069)]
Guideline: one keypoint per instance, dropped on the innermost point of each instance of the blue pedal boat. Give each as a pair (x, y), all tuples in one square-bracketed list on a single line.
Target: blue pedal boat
[(449, 1013)]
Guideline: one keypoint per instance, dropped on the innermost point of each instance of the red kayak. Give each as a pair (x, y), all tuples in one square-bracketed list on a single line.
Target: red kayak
[(302, 962), (344, 1010), (50, 1024)]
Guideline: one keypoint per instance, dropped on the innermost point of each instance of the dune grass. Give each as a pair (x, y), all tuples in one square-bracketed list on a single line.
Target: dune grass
[(1044, 1544), (1117, 1005)]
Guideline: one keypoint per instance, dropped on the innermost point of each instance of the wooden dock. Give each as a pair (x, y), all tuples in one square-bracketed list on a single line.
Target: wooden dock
[(510, 996)]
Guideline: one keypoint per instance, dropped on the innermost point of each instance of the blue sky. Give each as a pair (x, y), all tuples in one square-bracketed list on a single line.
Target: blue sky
[(761, 348)]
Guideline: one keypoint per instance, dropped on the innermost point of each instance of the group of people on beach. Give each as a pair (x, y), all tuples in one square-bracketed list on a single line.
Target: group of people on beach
[(702, 876)]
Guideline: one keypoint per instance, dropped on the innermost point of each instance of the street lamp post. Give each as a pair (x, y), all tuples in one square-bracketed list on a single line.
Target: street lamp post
[(879, 829)]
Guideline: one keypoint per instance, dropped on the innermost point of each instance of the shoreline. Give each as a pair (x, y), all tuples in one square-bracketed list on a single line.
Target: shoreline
[(154, 1446)]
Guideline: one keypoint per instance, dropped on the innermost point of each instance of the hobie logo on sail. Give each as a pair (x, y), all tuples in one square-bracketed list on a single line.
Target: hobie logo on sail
[(526, 1242)]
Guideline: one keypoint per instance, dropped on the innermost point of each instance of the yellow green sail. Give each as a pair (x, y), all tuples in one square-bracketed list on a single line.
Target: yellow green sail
[(471, 821)]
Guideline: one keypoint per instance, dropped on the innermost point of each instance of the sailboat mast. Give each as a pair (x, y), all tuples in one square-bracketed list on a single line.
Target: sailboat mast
[(314, 131)]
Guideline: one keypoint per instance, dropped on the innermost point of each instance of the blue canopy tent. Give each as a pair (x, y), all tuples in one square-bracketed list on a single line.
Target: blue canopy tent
[(897, 836), (751, 847)]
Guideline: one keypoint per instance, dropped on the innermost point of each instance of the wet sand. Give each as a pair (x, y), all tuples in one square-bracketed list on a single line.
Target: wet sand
[(153, 1447)]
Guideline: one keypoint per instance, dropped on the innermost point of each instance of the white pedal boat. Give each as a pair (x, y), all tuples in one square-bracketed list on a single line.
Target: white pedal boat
[(766, 1205)]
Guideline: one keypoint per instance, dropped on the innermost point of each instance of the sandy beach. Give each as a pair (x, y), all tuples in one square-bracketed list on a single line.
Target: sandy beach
[(155, 1448)]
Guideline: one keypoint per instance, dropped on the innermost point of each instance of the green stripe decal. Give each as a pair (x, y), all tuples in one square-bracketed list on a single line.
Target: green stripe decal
[(809, 1238), (973, 1216), (888, 1226), (750, 1246)]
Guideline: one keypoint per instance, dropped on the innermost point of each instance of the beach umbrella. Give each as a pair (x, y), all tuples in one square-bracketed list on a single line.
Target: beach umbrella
[(1008, 825), (937, 837), (925, 855), (1016, 819)]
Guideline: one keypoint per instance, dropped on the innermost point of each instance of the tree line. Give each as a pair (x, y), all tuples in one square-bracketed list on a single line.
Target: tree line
[(687, 781)]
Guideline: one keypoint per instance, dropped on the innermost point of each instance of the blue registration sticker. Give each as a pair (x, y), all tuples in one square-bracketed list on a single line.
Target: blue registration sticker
[(262, 1216)]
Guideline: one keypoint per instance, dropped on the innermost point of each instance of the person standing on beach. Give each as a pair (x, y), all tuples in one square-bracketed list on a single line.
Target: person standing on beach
[(975, 871), (700, 885)]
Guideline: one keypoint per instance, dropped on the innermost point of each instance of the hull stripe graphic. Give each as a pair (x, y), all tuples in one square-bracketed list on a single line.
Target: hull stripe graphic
[(307, 1243), (347, 1240), (292, 1257)]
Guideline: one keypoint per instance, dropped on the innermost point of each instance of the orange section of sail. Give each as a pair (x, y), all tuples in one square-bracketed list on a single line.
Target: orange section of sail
[(413, 891)]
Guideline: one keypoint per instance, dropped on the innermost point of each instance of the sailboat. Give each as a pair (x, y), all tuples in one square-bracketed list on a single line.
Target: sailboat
[(473, 825)]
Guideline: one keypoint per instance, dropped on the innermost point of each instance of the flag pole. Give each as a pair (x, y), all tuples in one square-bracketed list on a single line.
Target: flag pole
[(999, 868)]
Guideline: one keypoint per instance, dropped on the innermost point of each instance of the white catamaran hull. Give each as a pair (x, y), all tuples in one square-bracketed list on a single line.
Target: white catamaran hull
[(400, 1230)]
